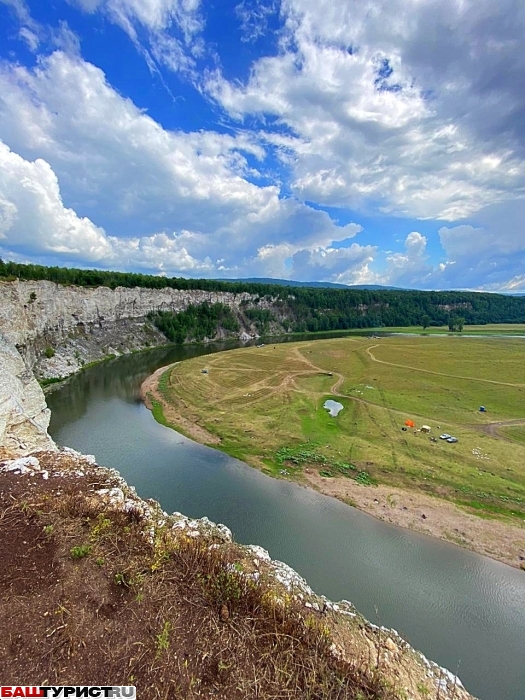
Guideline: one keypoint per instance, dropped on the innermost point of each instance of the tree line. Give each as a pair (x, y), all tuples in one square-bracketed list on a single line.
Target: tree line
[(304, 309)]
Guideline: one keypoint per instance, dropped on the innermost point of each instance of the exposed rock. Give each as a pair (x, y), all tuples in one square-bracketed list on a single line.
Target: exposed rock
[(24, 416), (58, 329)]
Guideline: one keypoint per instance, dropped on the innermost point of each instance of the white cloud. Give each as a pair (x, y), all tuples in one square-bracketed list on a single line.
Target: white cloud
[(490, 256), (30, 32), (33, 217), (156, 15), (344, 265), (31, 39), (254, 16), (170, 200), (161, 20), (409, 268), (373, 120), (65, 39), (408, 108)]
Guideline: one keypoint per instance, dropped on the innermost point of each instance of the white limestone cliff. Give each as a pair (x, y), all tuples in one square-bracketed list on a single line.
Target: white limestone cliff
[(81, 324), (24, 416)]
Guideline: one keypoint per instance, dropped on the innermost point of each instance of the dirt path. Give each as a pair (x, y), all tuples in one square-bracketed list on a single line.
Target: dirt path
[(439, 374), (492, 429)]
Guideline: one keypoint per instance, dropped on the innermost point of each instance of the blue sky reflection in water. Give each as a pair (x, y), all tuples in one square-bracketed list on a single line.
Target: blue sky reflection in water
[(457, 607), (333, 407)]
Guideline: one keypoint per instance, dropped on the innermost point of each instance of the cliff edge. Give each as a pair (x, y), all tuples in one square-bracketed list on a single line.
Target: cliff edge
[(24, 416), (58, 329)]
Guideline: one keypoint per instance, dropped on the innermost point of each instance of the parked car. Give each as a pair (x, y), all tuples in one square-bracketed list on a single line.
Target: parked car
[(445, 436), (452, 439)]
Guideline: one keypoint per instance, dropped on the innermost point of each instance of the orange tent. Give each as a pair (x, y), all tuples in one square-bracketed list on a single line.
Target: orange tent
[(410, 423)]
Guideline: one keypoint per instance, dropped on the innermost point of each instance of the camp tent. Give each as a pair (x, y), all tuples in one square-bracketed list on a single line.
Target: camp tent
[(425, 428), (410, 423)]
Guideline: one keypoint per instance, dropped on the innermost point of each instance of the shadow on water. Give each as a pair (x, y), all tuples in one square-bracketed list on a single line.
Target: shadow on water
[(457, 607)]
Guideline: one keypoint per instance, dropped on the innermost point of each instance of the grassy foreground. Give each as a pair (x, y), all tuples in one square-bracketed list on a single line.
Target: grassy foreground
[(129, 596), (265, 405)]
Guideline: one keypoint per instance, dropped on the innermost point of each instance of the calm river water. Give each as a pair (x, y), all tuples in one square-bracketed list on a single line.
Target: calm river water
[(462, 610)]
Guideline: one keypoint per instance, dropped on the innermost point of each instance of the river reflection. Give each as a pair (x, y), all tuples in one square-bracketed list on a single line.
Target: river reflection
[(462, 610)]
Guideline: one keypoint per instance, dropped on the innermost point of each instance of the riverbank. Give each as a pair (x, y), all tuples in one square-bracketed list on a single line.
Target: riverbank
[(411, 508)]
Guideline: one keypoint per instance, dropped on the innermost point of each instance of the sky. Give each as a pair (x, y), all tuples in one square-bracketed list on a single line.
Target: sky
[(359, 141)]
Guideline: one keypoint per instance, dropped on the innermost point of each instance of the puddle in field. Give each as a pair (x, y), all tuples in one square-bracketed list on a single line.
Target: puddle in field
[(333, 407)]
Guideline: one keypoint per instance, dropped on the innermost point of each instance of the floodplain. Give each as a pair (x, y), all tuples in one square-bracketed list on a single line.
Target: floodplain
[(264, 405)]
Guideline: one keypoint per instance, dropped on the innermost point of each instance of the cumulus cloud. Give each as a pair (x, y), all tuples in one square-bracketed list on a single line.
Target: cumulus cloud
[(407, 109), (344, 265), (489, 256), (33, 217), (181, 199), (34, 220), (409, 268), (390, 103)]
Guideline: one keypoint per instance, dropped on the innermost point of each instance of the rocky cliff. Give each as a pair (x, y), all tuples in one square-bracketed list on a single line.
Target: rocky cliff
[(24, 416), (57, 329)]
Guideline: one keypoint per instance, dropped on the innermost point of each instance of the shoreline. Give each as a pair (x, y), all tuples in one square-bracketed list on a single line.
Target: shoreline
[(413, 510)]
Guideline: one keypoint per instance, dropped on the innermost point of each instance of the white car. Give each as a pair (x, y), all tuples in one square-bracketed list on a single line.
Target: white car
[(452, 439), (445, 436)]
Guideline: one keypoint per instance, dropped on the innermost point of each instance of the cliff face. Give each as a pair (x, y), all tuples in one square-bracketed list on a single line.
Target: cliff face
[(24, 416), (79, 325)]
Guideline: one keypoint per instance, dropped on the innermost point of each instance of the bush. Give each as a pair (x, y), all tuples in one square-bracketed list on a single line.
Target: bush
[(49, 352)]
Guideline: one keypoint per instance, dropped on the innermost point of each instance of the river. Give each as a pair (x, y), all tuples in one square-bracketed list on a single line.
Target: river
[(464, 611)]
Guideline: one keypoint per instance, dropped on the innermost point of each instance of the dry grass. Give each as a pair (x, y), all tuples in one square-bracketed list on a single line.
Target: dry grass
[(87, 598)]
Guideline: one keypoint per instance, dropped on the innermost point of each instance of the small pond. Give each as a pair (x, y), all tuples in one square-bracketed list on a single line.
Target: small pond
[(333, 407)]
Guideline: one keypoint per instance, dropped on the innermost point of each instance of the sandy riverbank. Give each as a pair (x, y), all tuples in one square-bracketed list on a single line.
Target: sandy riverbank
[(439, 518)]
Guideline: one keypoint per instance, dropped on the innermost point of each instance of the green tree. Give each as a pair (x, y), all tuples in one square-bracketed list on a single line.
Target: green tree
[(425, 321), (456, 323)]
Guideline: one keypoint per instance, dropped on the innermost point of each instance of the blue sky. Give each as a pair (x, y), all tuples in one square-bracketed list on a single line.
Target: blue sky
[(362, 142)]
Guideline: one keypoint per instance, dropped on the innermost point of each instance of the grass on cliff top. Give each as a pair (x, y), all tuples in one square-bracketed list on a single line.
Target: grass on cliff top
[(260, 401), (173, 615)]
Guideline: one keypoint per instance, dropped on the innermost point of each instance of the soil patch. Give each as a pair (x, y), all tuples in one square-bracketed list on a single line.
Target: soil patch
[(432, 516), (149, 393)]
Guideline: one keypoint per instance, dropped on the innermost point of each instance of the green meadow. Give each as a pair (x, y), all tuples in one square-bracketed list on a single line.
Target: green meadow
[(266, 406)]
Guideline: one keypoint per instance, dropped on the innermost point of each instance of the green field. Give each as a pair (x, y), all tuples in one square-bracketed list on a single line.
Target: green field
[(266, 405), (487, 329)]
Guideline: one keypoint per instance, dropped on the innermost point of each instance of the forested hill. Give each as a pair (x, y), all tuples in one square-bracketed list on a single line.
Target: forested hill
[(306, 308), (295, 283)]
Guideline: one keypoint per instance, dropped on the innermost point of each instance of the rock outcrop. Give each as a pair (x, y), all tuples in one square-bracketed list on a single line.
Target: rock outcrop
[(58, 329), (24, 416)]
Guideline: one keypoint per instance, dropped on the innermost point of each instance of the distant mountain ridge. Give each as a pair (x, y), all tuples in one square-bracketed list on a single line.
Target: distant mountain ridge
[(295, 283)]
